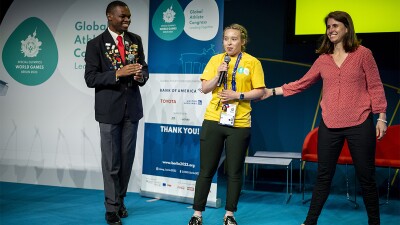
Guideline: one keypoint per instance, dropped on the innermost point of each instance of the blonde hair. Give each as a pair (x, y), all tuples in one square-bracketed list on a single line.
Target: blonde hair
[(243, 34)]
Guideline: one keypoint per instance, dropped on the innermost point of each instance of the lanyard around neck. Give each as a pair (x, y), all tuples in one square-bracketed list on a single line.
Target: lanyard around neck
[(233, 74)]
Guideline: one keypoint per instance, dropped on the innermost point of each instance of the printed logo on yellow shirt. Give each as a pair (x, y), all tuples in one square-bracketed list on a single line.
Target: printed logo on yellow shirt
[(246, 71), (242, 70)]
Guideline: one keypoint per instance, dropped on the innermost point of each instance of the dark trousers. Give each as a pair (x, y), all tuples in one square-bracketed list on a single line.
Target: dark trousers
[(362, 141), (212, 139), (118, 143)]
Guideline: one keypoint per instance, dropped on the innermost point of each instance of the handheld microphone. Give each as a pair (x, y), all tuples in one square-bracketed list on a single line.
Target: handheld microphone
[(131, 58), (222, 74)]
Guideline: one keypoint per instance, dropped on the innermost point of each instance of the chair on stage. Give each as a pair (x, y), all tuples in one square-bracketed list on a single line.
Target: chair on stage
[(388, 153), (309, 154)]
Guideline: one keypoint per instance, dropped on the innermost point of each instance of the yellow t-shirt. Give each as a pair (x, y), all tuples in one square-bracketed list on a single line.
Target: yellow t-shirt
[(249, 76)]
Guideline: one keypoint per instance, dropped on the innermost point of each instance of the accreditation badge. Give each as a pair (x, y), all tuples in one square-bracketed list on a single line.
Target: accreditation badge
[(228, 115)]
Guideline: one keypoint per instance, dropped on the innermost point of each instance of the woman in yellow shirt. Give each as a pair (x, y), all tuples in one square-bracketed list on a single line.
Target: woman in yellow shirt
[(227, 119)]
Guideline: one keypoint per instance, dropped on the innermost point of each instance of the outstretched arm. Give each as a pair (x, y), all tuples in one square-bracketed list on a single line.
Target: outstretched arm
[(268, 92)]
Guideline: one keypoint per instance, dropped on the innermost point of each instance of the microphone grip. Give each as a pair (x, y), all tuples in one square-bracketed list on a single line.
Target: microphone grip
[(131, 59), (222, 75)]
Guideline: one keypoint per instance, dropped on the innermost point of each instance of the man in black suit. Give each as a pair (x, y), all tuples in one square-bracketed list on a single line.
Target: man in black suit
[(116, 67)]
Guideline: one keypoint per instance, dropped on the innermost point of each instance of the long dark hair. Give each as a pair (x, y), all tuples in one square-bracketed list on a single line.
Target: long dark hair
[(350, 41)]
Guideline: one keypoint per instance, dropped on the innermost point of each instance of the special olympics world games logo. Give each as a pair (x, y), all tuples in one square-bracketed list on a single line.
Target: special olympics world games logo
[(199, 20), (31, 46), (169, 15), (30, 54)]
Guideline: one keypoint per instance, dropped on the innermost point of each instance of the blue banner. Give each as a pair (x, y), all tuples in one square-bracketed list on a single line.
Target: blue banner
[(183, 36), (171, 150)]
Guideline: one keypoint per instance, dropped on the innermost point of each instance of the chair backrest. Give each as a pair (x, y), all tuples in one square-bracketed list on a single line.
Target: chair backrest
[(388, 148), (309, 151)]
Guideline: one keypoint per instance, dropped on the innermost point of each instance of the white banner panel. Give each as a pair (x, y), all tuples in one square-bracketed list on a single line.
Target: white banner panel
[(48, 134)]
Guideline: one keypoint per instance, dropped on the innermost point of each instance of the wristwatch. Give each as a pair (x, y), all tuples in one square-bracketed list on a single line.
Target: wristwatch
[(241, 97)]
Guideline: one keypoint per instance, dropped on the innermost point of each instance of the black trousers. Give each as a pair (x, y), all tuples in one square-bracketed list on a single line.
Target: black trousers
[(118, 144), (212, 139), (362, 142)]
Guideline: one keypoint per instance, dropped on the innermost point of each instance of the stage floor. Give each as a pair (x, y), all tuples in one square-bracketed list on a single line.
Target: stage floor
[(38, 204)]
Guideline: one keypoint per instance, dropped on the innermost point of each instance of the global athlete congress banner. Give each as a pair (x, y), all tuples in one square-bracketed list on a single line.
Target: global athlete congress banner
[(183, 35)]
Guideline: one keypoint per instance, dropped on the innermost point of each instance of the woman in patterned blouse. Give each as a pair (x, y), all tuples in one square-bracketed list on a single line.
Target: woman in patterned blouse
[(352, 93)]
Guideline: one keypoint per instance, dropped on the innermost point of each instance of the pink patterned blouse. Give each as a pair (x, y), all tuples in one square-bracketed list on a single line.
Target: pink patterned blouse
[(350, 92)]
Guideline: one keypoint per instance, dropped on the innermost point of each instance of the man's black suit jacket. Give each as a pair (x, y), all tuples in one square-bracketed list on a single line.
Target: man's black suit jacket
[(112, 95)]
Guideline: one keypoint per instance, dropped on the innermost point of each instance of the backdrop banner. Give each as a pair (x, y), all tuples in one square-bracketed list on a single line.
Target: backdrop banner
[(48, 131), (183, 35)]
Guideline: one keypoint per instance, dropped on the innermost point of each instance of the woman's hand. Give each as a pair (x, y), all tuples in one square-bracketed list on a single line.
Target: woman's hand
[(267, 93), (228, 95), (209, 85), (381, 128), (222, 67)]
